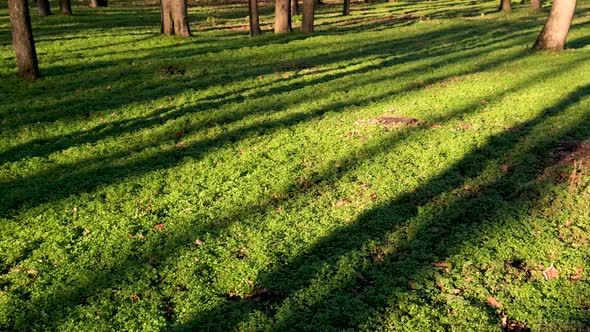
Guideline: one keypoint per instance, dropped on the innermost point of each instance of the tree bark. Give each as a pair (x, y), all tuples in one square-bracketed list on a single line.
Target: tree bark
[(346, 8), (254, 20), (505, 5), (294, 7), (65, 7), (98, 3), (43, 7), (536, 5), (22, 39), (554, 33), (308, 16), (174, 18), (283, 16)]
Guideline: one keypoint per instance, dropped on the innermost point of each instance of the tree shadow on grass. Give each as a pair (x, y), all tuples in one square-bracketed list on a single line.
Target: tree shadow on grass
[(45, 147), (399, 243), (90, 173), (327, 251), (111, 72)]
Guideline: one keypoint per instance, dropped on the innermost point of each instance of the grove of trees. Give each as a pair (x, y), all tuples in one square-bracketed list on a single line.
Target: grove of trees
[(175, 21)]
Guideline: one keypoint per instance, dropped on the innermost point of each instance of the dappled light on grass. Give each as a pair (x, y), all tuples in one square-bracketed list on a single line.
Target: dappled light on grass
[(223, 183)]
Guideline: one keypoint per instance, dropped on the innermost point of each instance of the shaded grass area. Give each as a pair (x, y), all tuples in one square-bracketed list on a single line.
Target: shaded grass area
[(225, 183)]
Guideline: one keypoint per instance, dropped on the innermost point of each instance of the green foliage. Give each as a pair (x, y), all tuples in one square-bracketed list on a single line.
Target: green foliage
[(223, 182)]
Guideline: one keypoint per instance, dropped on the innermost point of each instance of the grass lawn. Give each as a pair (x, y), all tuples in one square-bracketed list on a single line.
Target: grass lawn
[(229, 183)]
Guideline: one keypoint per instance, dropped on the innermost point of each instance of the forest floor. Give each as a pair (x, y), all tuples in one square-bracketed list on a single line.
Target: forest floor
[(223, 182)]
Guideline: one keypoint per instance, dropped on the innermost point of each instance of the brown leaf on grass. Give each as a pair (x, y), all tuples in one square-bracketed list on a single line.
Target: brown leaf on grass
[(494, 303), (159, 227), (341, 203), (374, 196), (388, 120), (85, 232), (469, 279), (464, 126), (551, 273), (242, 253), (134, 297), (32, 272), (198, 242), (440, 286), (512, 326), (441, 264), (578, 275)]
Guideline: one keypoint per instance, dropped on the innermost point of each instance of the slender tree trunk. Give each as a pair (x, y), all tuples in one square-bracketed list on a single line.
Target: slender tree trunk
[(98, 3), (346, 8), (22, 39), (554, 33), (65, 7), (282, 16), (174, 18), (294, 7), (536, 5), (254, 20), (308, 16), (43, 7), (505, 5)]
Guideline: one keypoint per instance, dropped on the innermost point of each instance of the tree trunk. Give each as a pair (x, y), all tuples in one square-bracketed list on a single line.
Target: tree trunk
[(22, 39), (98, 3), (283, 16), (346, 8), (505, 5), (174, 18), (308, 16), (555, 31), (294, 7), (536, 5), (254, 21), (65, 7), (43, 7)]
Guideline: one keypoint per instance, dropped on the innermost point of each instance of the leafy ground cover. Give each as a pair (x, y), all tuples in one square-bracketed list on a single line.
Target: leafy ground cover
[(228, 183)]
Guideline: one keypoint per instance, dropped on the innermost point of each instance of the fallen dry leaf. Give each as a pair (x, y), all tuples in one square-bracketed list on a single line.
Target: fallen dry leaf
[(551, 273), (159, 227), (32, 271), (388, 120), (441, 264), (493, 302), (198, 242), (341, 203)]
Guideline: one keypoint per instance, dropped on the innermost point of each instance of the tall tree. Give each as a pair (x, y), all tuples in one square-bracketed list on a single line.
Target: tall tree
[(505, 5), (254, 20), (294, 7), (174, 18), (283, 16), (557, 26), (43, 7), (65, 7), (22, 39), (308, 16), (98, 3), (536, 5), (346, 8)]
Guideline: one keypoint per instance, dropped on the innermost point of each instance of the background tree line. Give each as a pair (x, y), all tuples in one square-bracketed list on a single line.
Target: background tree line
[(174, 21)]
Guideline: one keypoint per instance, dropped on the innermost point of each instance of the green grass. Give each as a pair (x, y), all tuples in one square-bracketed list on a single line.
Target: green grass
[(112, 169)]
